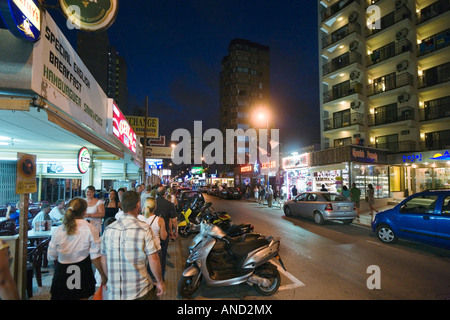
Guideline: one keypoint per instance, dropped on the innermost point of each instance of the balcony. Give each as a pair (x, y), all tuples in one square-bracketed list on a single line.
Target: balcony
[(340, 62), (434, 76), (433, 10), (435, 109), (340, 34), (388, 51), (389, 82), (390, 19), (390, 116), (434, 43), (396, 146), (342, 90), (436, 140), (342, 120), (335, 8)]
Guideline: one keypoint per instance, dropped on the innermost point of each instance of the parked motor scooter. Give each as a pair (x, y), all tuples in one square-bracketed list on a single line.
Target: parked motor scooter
[(223, 221), (224, 262), (190, 218)]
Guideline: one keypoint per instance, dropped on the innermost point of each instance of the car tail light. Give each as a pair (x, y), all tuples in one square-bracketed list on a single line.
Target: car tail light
[(354, 207), (329, 207)]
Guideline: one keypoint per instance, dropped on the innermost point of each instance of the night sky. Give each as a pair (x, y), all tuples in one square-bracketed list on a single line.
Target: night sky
[(174, 49)]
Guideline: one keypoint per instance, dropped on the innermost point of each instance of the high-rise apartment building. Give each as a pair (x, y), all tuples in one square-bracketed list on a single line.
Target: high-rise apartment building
[(106, 65), (244, 84), (385, 74)]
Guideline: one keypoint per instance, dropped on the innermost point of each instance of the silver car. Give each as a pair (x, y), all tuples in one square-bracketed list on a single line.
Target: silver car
[(321, 206)]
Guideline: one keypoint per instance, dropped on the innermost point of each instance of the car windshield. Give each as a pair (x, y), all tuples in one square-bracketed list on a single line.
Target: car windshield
[(334, 197)]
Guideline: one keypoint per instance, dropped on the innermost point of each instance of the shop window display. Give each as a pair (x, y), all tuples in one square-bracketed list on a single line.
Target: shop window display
[(300, 178), (333, 180), (377, 175)]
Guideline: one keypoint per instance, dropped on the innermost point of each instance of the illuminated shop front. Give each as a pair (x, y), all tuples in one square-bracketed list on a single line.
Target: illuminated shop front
[(419, 171), (297, 174), (342, 166)]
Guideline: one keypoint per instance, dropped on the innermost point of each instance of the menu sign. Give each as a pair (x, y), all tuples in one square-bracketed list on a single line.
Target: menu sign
[(60, 77)]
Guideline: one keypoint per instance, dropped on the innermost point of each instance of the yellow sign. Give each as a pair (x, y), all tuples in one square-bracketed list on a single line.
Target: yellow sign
[(26, 173), (138, 125)]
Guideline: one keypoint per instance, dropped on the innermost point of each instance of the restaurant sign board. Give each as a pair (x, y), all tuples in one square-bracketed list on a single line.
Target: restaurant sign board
[(83, 160), (90, 15), (22, 17), (61, 77)]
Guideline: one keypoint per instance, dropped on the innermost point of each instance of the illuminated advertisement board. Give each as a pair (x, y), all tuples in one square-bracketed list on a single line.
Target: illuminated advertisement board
[(22, 17), (122, 130)]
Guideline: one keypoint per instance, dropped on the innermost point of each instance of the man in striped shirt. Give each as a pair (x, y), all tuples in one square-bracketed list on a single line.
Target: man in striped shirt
[(127, 244)]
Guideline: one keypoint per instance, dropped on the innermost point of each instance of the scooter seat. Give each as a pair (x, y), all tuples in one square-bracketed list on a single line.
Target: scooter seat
[(243, 248)]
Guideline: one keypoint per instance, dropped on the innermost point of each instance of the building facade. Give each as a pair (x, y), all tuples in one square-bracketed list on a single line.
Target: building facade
[(385, 82)]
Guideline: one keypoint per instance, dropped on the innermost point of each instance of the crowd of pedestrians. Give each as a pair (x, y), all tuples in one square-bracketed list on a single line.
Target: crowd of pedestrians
[(125, 237)]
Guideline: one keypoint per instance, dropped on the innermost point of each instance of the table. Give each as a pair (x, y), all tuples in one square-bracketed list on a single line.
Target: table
[(40, 234)]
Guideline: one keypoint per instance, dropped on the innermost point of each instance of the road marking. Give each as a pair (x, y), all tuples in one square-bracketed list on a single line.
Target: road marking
[(296, 283)]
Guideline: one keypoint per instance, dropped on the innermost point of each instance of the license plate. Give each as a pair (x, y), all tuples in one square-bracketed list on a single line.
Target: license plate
[(342, 208)]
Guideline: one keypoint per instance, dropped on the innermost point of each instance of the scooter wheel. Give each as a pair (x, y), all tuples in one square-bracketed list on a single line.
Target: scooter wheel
[(188, 285), (184, 232), (270, 272)]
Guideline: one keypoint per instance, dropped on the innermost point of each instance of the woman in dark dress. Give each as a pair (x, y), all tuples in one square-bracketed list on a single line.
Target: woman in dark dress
[(112, 206)]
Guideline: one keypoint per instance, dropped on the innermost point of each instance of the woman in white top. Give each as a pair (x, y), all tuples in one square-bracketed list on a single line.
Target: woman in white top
[(156, 223), (95, 210), (74, 246)]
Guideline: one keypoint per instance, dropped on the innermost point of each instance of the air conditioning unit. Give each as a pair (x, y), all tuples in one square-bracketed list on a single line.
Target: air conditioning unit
[(353, 17), (354, 45), (354, 75), (399, 4), (355, 104), (402, 34), (402, 66), (403, 98)]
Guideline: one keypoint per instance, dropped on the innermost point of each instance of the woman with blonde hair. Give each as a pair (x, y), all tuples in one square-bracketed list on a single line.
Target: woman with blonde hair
[(155, 222), (74, 246)]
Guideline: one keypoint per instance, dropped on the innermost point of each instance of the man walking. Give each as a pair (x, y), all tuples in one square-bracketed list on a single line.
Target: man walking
[(269, 196), (166, 210), (355, 196), (127, 245)]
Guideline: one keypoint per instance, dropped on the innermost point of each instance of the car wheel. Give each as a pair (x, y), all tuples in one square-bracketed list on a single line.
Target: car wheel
[(287, 211), (318, 218), (386, 234)]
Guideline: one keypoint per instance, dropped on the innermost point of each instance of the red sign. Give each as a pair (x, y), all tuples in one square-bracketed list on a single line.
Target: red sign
[(246, 169), (269, 165), (122, 130)]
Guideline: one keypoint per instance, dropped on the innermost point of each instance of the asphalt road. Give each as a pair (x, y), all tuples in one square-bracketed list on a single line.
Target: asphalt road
[(338, 262)]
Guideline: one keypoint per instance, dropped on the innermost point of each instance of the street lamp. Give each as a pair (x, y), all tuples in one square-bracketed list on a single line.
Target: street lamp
[(262, 114)]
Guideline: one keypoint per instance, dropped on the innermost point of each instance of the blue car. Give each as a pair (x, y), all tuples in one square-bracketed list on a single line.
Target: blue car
[(423, 217)]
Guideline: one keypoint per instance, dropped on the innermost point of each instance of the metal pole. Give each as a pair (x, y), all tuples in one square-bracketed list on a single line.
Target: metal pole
[(145, 143), (23, 240)]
